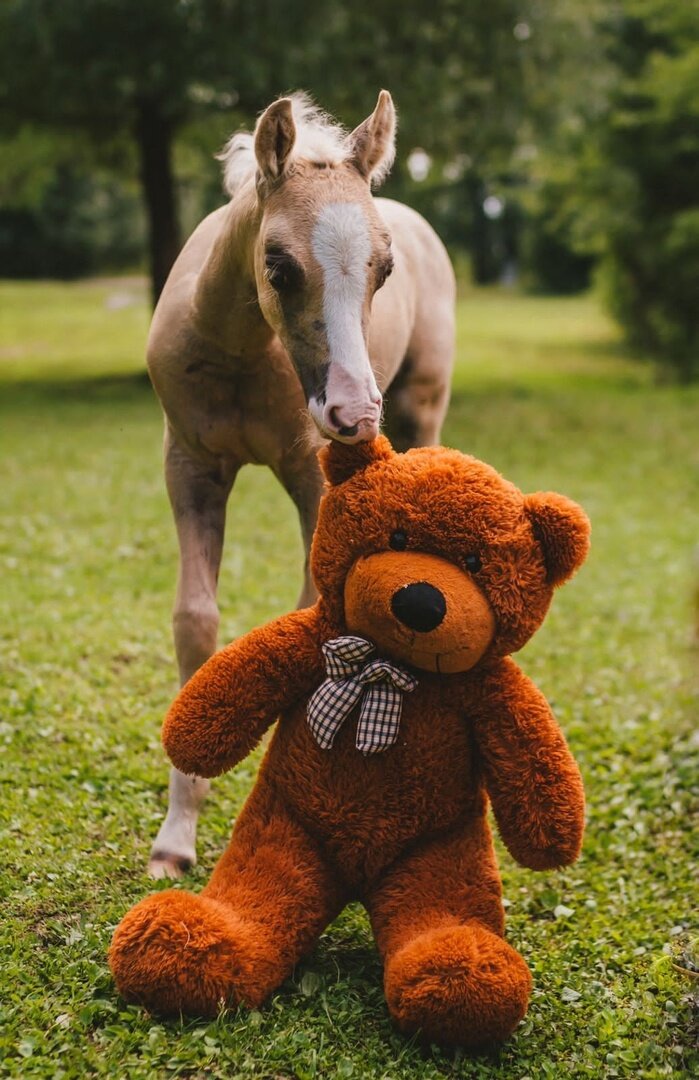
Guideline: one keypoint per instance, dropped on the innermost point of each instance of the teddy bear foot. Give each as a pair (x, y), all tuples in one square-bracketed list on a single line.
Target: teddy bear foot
[(176, 952), (458, 986)]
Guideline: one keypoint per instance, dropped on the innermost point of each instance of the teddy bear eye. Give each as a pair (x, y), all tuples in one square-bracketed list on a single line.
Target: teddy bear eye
[(398, 540), (473, 562)]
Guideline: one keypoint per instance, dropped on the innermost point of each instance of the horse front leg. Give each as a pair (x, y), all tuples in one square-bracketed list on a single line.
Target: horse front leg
[(198, 495), (303, 481)]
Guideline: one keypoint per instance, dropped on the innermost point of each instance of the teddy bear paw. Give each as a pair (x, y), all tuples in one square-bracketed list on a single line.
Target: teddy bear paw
[(458, 985), (176, 952)]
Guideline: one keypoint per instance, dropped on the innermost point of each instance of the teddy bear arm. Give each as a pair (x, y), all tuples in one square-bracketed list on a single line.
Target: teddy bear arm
[(220, 715), (532, 779)]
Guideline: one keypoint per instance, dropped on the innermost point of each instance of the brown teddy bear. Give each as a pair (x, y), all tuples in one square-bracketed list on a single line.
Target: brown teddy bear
[(400, 716)]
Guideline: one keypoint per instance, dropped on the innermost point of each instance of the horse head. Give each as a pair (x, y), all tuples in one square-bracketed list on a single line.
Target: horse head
[(322, 252)]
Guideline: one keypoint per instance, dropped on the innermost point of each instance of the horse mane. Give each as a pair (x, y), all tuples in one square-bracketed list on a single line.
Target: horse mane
[(318, 138)]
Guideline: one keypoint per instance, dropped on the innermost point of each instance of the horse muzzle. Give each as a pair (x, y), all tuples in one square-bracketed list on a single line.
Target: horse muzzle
[(346, 424)]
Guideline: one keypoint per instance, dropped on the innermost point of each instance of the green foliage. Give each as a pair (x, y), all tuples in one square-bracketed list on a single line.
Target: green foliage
[(81, 222), (124, 71), (652, 140), (66, 210), (453, 66), (98, 67), (87, 552), (104, 56), (627, 177)]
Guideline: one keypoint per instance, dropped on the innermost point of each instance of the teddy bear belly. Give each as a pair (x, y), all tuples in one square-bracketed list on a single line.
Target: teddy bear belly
[(365, 809)]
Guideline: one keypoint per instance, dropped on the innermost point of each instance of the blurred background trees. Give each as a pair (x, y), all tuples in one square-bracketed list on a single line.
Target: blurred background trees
[(543, 141), (618, 182), (646, 149)]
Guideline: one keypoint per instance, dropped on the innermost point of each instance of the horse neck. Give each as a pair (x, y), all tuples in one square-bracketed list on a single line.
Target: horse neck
[(226, 311)]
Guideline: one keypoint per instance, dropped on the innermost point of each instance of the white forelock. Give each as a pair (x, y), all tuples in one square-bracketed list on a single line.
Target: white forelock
[(318, 139)]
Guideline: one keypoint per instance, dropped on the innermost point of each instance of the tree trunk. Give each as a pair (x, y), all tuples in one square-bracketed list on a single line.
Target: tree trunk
[(154, 136)]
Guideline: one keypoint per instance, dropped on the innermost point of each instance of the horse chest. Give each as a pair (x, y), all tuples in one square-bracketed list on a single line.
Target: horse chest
[(242, 410), (224, 410)]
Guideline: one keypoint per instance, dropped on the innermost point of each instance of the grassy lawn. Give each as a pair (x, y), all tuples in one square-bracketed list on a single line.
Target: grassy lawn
[(87, 554)]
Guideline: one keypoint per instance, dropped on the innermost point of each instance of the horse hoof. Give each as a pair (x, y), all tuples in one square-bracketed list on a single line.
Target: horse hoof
[(164, 864)]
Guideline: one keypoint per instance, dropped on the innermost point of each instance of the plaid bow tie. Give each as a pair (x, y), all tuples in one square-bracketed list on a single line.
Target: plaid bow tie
[(353, 676)]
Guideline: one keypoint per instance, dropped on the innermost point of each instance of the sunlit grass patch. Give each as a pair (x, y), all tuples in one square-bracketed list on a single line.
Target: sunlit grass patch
[(50, 330)]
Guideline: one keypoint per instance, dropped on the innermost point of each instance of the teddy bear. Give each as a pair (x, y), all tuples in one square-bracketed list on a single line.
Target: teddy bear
[(401, 717)]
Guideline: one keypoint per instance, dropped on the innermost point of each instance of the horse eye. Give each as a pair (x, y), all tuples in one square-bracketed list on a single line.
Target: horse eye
[(398, 540), (283, 272), (473, 563)]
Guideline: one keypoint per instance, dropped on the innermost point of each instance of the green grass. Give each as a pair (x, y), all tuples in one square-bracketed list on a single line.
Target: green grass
[(544, 391)]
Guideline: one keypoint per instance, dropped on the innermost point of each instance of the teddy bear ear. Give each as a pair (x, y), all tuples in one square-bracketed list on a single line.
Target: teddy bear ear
[(339, 461), (563, 531)]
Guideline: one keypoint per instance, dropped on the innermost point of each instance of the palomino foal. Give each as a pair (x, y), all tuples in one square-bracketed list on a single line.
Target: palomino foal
[(304, 295)]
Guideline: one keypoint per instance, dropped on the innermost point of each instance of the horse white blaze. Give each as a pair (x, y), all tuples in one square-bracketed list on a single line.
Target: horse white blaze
[(341, 243)]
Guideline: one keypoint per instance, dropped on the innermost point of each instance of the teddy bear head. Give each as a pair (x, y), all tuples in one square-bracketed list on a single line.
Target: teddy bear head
[(436, 558)]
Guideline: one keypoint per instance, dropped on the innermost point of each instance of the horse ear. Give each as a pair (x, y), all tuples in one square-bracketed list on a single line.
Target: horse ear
[(340, 461), (275, 135), (372, 145), (562, 529)]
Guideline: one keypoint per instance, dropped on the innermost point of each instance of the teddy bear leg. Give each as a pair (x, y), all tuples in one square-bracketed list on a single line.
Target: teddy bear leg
[(438, 920), (269, 899)]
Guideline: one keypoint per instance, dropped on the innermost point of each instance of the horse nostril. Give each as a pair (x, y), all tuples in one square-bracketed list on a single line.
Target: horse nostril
[(348, 431), (420, 606)]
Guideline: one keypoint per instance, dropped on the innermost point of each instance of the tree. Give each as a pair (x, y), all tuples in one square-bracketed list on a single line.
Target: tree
[(567, 80), (127, 72), (622, 171), (457, 71), (650, 144)]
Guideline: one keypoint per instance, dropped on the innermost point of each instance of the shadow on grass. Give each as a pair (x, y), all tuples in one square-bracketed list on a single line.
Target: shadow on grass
[(566, 368), (554, 367), (583, 375), (101, 389)]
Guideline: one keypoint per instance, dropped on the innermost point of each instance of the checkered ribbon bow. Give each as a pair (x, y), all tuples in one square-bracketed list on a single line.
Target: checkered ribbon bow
[(353, 676)]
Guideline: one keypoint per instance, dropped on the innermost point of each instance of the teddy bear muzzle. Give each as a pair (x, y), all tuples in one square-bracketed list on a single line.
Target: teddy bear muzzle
[(419, 608)]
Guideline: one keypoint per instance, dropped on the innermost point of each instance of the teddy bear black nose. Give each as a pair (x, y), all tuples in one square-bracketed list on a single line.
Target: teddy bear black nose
[(419, 606)]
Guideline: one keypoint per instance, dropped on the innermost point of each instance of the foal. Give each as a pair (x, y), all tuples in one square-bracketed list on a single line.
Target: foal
[(303, 295)]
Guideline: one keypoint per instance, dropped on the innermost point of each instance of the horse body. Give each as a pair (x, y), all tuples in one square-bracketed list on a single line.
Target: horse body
[(280, 325)]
